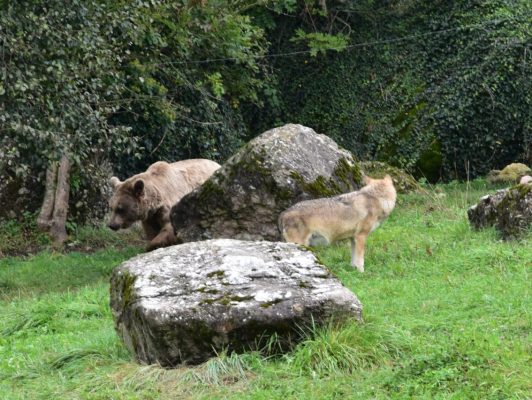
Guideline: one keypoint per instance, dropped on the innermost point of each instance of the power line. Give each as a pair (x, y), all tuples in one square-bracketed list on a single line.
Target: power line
[(352, 46)]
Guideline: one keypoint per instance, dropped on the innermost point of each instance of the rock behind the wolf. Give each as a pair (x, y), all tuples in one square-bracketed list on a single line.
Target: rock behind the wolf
[(188, 302), (509, 174), (509, 210), (402, 180), (277, 169)]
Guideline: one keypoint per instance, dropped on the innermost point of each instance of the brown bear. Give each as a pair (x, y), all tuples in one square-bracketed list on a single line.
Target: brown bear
[(149, 196)]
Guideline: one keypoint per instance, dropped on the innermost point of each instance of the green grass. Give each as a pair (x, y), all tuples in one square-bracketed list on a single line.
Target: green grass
[(446, 310)]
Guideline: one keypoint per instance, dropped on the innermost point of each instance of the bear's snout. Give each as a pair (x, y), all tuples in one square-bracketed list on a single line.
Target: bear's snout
[(113, 226)]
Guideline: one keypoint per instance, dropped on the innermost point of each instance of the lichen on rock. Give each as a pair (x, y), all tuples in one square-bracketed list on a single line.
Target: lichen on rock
[(272, 172), (514, 212), (185, 303)]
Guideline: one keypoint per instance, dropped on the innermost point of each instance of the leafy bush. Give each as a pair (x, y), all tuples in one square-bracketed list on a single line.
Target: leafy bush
[(124, 81), (441, 89)]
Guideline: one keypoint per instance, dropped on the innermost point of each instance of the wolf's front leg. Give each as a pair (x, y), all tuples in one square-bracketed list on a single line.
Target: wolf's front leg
[(357, 252)]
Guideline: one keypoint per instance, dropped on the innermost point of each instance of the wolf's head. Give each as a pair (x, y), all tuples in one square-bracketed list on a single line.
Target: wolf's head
[(125, 204), (383, 188), (387, 180)]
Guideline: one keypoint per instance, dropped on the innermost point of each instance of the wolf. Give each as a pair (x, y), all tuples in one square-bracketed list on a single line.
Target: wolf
[(149, 196), (351, 215)]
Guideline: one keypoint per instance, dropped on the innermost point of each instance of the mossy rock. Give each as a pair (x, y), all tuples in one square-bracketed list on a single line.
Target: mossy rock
[(402, 180), (510, 174), (189, 302), (277, 169), (509, 210), (515, 212)]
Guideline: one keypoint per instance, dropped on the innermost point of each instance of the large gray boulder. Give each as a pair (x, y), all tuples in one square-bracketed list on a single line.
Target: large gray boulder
[(244, 198), (509, 210), (185, 303)]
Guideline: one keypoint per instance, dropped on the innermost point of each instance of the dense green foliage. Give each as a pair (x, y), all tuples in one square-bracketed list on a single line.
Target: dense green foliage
[(183, 107), (441, 88), (110, 80), (446, 309), (59, 80), (439, 85)]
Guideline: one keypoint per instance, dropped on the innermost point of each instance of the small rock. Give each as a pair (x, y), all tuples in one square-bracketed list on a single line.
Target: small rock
[(509, 210), (511, 173)]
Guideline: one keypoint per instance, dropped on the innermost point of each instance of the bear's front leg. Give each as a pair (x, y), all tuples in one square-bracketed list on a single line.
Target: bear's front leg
[(165, 238)]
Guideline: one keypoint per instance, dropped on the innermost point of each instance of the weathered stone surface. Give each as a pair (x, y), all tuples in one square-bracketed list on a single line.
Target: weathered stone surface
[(402, 180), (185, 303), (515, 212), (509, 210), (484, 213), (509, 174), (277, 169)]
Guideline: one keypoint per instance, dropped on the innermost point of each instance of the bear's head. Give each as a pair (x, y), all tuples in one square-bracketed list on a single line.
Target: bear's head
[(125, 204)]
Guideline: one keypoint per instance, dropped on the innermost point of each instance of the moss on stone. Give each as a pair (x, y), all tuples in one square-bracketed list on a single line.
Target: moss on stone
[(209, 291), (512, 220), (345, 174), (316, 188), (270, 303), (128, 281), (210, 190), (349, 174), (219, 274), (510, 173), (403, 181), (226, 299), (523, 189), (253, 172)]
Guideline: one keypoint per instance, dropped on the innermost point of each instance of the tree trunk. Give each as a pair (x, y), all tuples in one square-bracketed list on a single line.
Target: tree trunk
[(44, 221), (54, 210), (58, 228)]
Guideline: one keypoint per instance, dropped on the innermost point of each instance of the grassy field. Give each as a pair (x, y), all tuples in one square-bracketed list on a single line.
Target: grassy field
[(446, 309)]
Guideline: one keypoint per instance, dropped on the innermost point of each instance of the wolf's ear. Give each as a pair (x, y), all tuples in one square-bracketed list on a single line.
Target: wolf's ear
[(138, 188), (388, 178), (115, 182), (366, 179)]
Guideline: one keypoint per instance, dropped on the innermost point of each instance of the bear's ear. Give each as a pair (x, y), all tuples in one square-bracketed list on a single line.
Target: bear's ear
[(366, 179), (115, 182), (138, 188)]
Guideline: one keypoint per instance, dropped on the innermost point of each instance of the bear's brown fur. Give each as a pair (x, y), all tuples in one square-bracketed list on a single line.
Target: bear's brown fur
[(149, 197)]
